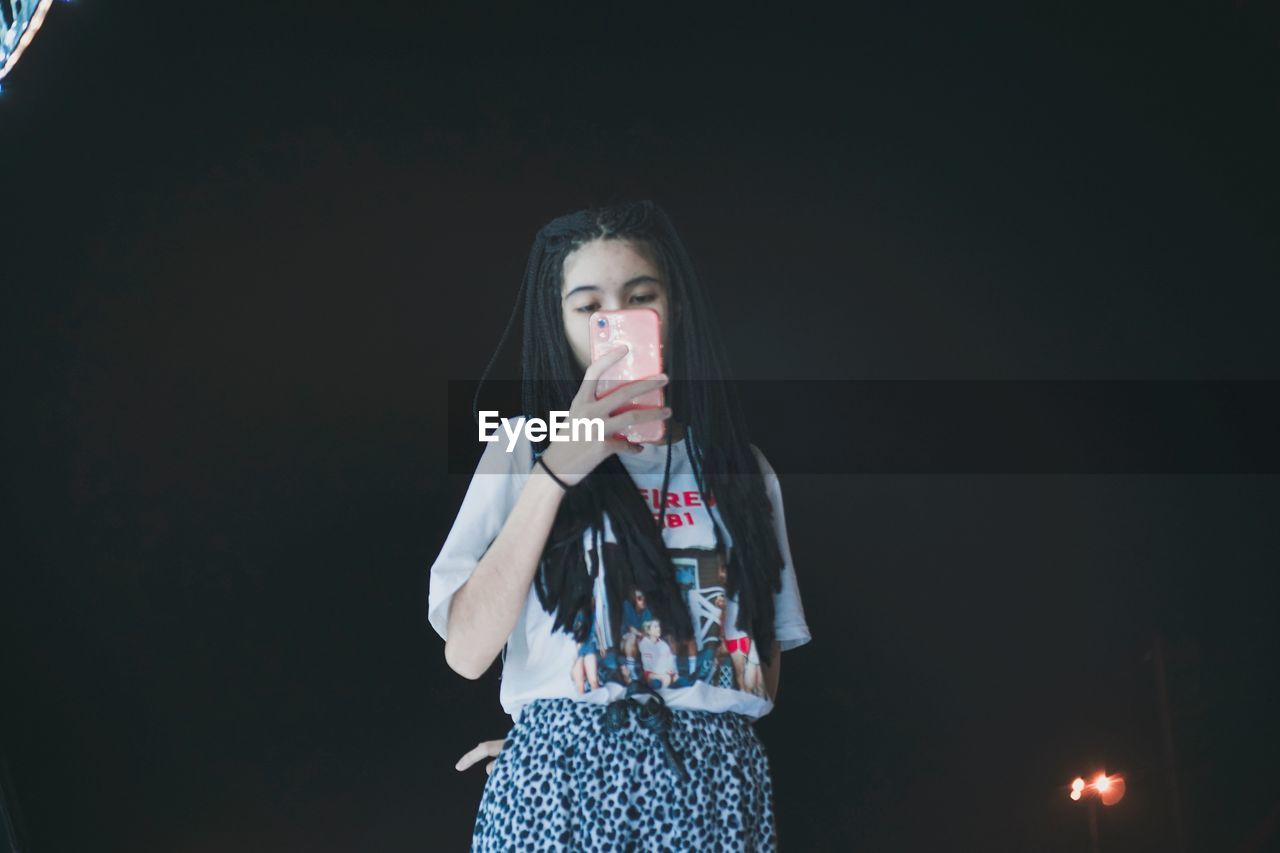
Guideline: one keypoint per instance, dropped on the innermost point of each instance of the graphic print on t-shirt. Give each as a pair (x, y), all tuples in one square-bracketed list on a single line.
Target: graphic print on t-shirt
[(683, 508), (719, 653)]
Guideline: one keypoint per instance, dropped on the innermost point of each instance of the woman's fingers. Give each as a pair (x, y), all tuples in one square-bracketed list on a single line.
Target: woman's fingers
[(587, 390), (484, 749), (603, 363), (639, 388), (621, 445), (632, 391), (635, 416), (591, 380)]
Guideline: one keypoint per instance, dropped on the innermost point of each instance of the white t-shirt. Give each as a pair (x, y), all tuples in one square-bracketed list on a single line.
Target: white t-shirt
[(540, 663), (656, 655)]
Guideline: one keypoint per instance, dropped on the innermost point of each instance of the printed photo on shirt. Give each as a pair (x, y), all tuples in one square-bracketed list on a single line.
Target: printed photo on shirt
[(719, 654)]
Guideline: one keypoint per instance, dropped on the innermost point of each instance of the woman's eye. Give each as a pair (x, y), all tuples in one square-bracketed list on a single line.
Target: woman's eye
[(587, 309), (644, 297)]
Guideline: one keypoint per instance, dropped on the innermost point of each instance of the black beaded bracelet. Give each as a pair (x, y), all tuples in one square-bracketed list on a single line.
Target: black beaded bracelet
[(552, 474)]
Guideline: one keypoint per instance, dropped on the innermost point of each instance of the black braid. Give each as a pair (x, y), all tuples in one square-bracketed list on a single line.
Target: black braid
[(716, 439), (666, 482), (535, 261)]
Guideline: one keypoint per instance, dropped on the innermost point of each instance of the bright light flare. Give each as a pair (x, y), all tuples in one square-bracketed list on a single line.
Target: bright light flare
[(1111, 790)]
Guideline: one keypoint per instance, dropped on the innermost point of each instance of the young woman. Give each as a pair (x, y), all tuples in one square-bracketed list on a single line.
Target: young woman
[(635, 591)]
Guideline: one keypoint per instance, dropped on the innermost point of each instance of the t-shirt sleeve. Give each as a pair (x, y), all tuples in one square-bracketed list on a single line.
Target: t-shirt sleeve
[(790, 627), (495, 486)]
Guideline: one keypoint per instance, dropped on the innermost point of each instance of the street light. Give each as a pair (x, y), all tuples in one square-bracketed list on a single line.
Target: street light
[(1108, 789)]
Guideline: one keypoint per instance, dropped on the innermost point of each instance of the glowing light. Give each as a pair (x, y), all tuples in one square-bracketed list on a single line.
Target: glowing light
[(1109, 789), (15, 37), (1113, 792)]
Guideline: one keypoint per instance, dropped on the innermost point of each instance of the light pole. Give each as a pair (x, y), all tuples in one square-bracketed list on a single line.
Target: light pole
[(1108, 789)]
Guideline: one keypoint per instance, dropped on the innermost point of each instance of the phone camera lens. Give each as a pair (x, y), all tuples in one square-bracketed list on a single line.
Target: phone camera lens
[(601, 322)]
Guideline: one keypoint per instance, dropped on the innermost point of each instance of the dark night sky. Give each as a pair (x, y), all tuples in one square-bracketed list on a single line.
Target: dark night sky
[(242, 250)]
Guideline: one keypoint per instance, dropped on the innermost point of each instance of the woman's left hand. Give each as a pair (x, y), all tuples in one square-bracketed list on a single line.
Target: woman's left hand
[(484, 749)]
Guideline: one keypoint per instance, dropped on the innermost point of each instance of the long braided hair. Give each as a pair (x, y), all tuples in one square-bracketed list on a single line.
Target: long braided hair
[(701, 396)]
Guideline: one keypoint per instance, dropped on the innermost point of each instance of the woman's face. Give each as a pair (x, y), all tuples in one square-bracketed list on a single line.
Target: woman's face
[(608, 275)]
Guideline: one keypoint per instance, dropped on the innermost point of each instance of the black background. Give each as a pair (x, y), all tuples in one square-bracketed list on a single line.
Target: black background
[(243, 249)]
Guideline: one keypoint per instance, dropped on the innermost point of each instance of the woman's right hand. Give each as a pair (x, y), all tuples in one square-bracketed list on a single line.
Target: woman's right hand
[(572, 461), (485, 749)]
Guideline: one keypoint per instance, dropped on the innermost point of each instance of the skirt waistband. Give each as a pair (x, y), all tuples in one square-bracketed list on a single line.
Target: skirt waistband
[(651, 713)]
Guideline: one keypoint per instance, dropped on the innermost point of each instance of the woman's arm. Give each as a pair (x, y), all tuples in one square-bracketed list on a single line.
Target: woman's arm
[(485, 609), (773, 672)]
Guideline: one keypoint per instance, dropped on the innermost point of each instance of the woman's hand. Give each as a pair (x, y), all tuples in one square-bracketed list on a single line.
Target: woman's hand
[(572, 461), (484, 749)]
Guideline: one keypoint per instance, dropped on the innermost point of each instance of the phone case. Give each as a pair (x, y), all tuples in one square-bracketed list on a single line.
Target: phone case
[(641, 330)]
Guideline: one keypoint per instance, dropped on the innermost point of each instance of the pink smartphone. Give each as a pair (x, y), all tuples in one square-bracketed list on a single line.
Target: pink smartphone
[(640, 329)]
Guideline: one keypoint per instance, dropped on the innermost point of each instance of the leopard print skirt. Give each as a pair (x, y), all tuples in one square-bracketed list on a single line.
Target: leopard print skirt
[(571, 778)]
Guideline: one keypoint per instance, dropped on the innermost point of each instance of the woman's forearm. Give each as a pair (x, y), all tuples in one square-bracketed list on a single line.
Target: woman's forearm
[(484, 610)]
